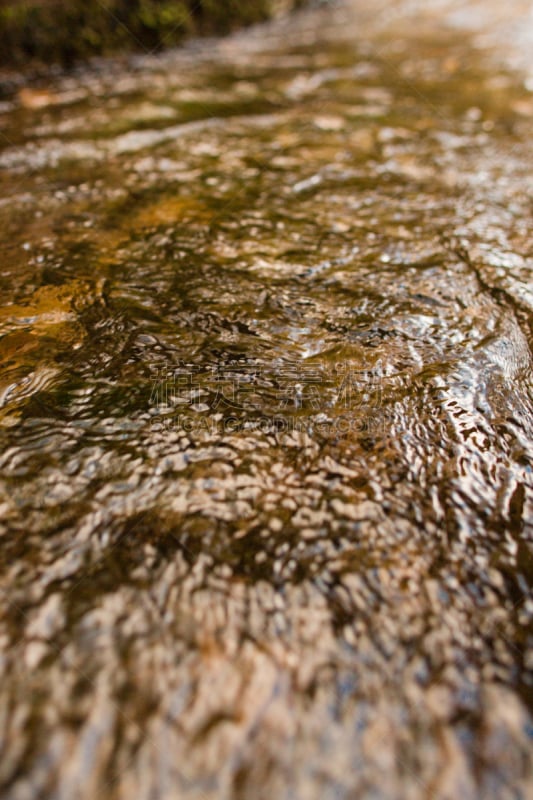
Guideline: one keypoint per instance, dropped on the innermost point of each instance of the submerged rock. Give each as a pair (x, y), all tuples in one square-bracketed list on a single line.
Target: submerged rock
[(266, 493)]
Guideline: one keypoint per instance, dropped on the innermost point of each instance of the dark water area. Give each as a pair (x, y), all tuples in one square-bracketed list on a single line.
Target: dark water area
[(266, 416)]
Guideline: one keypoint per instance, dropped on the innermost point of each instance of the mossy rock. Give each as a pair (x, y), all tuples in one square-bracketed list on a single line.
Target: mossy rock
[(50, 31)]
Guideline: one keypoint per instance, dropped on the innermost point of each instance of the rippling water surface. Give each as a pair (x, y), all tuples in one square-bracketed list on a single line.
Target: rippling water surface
[(266, 417)]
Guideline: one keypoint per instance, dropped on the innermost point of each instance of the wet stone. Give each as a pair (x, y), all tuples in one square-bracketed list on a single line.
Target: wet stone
[(266, 415)]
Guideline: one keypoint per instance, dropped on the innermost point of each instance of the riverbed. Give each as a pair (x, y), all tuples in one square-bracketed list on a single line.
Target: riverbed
[(266, 414)]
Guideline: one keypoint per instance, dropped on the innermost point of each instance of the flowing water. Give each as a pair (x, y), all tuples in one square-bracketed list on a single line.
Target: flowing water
[(266, 415)]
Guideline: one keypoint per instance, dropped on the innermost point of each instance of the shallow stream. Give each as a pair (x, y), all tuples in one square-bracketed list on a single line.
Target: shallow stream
[(266, 419)]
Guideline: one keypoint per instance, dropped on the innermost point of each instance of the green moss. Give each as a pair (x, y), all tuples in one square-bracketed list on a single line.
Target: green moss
[(53, 31)]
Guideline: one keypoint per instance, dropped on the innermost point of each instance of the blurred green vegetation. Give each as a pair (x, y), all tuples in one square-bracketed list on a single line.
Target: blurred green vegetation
[(65, 31)]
